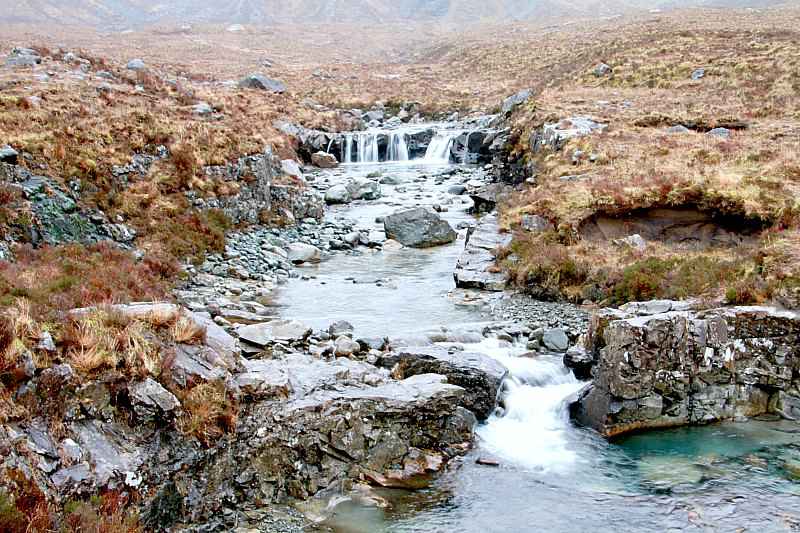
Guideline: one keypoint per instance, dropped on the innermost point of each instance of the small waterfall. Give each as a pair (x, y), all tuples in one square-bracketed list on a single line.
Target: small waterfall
[(439, 148), (533, 430), (348, 151), (397, 149)]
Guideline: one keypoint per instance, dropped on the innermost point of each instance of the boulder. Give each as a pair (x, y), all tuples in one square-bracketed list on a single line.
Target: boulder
[(698, 74), (8, 155), (683, 367), (278, 330), (135, 65), (324, 160), (635, 242), (580, 361), (479, 375), (202, 109), (23, 57), (340, 327), (337, 194), (418, 228), (678, 128), (556, 339), (290, 167), (514, 101), (363, 189), (262, 83), (603, 70), (345, 346), (303, 253), (722, 133), (557, 133)]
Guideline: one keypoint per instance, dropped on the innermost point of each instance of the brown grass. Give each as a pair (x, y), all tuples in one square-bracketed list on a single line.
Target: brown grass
[(208, 412)]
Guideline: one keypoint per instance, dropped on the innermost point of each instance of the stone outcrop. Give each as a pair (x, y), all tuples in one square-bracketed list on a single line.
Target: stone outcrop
[(662, 365), (479, 375), (477, 266), (418, 228)]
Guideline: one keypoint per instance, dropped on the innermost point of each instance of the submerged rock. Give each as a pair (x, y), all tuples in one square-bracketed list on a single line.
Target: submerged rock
[(418, 228), (680, 367), (480, 375)]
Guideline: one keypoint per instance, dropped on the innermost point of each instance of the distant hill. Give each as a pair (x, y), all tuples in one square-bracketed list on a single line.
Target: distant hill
[(116, 14)]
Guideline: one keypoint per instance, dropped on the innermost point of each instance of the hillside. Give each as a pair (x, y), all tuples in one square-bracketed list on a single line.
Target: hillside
[(135, 13)]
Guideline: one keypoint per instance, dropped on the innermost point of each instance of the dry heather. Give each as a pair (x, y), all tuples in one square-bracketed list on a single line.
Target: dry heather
[(751, 85)]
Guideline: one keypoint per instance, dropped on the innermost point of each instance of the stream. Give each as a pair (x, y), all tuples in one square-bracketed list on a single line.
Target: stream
[(552, 476)]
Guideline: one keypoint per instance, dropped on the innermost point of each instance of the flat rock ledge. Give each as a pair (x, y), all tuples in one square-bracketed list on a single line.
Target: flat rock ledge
[(480, 376), (662, 365), (476, 268)]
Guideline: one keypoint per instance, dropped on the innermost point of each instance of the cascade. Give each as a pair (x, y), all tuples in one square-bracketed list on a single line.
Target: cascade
[(440, 146)]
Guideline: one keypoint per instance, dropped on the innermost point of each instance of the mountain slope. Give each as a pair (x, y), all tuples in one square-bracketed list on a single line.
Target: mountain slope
[(124, 13)]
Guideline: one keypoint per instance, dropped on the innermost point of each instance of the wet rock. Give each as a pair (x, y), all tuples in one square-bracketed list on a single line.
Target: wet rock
[(262, 83), (340, 327), (418, 228), (264, 379), (338, 194), (580, 361), (363, 189), (149, 398), (8, 155), (555, 339), (345, 346), (135, 65), (478, 374), (477, 266), (324, 160), (684, 367), (278, 330), (303, 253)]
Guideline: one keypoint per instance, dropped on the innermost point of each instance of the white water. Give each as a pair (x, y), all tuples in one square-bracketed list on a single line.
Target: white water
[(366, 147), (439, 148), (533, 430)]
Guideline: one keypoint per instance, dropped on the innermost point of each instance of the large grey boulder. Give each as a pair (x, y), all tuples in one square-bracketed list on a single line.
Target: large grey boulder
[(682, 367), (279, 330), (556, 339), (479, 375), (418, 228), (263, 83), (264, 379)]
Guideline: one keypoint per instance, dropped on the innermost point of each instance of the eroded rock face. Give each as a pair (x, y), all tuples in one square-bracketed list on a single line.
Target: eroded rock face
[(682, 367), (682, 226), (480, 375)]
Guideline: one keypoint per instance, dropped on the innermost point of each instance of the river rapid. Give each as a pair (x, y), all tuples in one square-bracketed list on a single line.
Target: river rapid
[(552, 476)]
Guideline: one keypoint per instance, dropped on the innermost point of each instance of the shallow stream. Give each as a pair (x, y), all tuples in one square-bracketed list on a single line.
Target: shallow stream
[(553, 476)]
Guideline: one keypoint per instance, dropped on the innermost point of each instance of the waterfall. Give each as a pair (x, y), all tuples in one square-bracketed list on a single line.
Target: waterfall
[(348, 151), (440, 146), (533, 429), (397, 149)]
